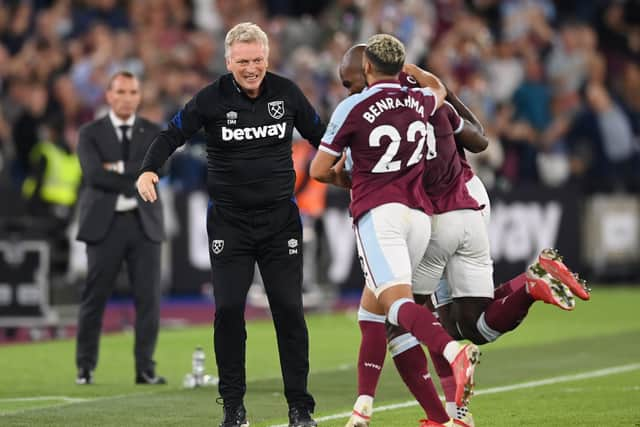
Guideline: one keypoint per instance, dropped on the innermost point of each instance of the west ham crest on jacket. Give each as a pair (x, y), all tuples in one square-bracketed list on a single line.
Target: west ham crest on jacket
[(276, 109), (217, 246), (232, 116)]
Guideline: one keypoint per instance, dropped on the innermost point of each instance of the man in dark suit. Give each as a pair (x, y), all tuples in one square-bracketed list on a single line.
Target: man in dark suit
[(117, 227)]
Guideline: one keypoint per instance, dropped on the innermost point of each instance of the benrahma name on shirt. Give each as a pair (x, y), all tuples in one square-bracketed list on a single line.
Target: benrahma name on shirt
[(387, 103)]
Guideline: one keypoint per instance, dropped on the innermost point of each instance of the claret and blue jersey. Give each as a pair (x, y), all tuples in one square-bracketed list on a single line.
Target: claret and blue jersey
[(446, 171), (385, 127)]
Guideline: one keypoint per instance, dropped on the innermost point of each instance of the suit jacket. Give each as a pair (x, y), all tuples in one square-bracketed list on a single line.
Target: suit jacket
[(99, 144)]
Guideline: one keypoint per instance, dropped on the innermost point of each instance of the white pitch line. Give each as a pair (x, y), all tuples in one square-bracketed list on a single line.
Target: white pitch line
[(493, 390), (501, 389), (66, 401), (45, 398)]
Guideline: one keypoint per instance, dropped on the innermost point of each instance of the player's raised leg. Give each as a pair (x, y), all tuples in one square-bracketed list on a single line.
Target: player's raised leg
[(551, 260)]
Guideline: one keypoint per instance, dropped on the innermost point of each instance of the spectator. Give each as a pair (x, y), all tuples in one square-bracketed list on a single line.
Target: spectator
[(54, 176), (25, 128), (603, 143)]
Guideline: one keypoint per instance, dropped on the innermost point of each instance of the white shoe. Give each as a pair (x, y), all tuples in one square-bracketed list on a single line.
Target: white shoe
[(464, 421), (362, 411)]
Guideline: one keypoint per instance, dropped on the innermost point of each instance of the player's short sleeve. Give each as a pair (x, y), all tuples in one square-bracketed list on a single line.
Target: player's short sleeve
[(457, 124), (340, 128), (407, 80), (429, 99)]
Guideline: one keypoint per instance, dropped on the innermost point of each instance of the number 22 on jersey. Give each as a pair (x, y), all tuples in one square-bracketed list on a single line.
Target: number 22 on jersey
[(417, 131)]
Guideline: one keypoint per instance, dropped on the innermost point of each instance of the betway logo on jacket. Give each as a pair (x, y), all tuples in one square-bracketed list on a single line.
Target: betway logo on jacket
[(242, 134)]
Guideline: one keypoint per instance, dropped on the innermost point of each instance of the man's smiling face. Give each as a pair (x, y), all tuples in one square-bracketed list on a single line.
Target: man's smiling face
[(248, 62)]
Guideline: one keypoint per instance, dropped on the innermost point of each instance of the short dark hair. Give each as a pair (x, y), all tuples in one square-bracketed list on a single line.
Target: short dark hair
[(122, 73), (386, 54)]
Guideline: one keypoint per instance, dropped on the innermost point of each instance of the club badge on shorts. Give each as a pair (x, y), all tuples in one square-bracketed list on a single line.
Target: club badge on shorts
[(217, 246), (276, 109), (293, 246)]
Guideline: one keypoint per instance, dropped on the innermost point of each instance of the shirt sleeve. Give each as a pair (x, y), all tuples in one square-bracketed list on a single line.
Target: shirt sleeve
[(307, 120), (184, 124), (339, 129), (429, 99), (407, 80), (457, 124)]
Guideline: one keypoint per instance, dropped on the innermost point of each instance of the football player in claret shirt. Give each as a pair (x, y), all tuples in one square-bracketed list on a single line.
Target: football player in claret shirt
[(385, 129), (461, 205)]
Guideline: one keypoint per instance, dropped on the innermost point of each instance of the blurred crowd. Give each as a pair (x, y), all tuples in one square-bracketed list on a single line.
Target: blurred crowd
[(555, 82)]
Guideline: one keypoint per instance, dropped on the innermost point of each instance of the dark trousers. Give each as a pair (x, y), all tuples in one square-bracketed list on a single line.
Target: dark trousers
[(126, 242), (273, 239)]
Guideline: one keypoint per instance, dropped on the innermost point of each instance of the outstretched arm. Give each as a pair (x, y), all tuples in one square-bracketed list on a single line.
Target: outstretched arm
[(181, 127)]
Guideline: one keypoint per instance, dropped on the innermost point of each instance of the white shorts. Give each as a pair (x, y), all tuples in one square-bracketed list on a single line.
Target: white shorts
[(391, 241), (477, 191), (459, 253)]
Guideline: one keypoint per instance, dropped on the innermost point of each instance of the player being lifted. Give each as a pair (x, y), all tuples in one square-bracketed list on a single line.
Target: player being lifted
[(385, 128), (459, 241)]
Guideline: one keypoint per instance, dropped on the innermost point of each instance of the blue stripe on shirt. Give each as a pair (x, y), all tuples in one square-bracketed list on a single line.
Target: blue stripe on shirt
[(342, 112), (177, 120)]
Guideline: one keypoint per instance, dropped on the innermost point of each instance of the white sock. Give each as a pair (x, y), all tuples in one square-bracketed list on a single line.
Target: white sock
[(451, 350), (452, 409), (364, 405), (456, 412)]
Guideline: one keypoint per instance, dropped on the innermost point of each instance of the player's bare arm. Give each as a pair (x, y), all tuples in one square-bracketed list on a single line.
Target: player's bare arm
[(324, 168), (471, 138)]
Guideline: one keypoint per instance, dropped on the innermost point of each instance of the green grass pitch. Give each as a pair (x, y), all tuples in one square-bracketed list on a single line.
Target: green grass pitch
[(579, 368)]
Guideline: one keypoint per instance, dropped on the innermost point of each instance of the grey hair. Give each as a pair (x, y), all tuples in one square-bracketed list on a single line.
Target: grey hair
[(245, 32)]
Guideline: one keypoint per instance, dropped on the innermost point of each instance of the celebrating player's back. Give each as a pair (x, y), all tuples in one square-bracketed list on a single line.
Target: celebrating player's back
[(374, 123)]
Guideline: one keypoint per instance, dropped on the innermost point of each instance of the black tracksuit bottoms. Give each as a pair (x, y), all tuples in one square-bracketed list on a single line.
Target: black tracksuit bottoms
[(272, 237)]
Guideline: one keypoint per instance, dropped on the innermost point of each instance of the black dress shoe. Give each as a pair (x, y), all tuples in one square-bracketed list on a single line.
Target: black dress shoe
[(235, 416), (299, 416), (149, 377), (84, 377)]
